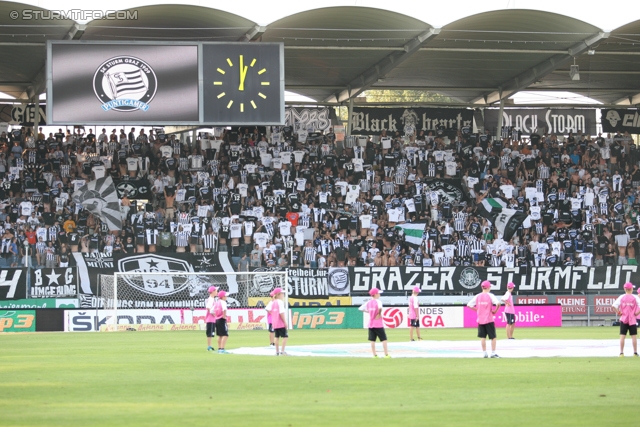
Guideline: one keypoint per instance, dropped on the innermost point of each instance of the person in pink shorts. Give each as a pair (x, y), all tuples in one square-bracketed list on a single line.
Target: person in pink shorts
[(509, 310), (483, 304), (414, 314), (376, 326), (628, 307)]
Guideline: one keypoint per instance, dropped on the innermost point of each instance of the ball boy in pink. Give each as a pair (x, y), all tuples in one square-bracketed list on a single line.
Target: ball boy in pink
[(414, 311), (220, 313), (268, 309), (209, 319), (376, 326), (509, 310), (628, 307), (483, 304), (279, 321)]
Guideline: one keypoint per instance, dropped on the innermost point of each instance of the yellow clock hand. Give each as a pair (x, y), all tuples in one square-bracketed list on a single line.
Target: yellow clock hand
[(243, 72)]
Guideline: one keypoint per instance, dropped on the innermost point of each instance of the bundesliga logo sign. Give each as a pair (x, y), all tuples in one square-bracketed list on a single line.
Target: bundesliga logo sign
[(125, 83)]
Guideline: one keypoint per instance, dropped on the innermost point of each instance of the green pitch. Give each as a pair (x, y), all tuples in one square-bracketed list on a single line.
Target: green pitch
[(167, 378)]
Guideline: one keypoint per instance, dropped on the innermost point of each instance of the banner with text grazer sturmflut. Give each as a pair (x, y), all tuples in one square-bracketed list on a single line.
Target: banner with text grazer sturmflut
[(407, 121), (401, 280)]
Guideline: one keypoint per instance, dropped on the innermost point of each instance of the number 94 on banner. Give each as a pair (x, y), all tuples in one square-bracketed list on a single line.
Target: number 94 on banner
[(18, 321)]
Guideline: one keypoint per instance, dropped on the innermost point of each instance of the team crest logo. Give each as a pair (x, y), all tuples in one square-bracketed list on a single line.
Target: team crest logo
[(156, 284), (469, 278), (339, 280), (125, 83)]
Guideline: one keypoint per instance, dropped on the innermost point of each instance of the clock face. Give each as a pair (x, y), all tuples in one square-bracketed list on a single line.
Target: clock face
[(242, 83)]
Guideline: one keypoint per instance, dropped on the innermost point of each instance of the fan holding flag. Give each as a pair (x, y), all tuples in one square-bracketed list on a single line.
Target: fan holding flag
[(507, 221), (413, 232)]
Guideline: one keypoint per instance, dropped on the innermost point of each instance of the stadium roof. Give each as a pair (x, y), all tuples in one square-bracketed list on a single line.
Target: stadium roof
[(334, 53)]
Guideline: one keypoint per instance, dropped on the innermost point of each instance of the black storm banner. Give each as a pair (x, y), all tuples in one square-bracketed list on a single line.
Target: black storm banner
[(141, 83), (401, 280), (407, 121), (620, 121), (541, 120)]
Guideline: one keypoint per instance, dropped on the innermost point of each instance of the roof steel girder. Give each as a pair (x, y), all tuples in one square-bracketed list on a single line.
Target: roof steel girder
[(379, 70), (523, 80)]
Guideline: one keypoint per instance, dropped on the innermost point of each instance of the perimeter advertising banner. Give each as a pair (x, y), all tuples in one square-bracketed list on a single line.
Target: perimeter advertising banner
[(326, 318), (139, 83), (40, 303), (541, 120), (17, 321), (527, 316), (430, 317)]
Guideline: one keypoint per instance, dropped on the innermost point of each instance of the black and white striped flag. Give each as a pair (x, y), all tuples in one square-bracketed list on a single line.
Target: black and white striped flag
[(101, 199)]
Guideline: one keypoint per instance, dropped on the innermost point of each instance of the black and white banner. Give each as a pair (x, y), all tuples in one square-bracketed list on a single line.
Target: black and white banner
[(311, 119), (138, 289), (134, 189), (338, 281), (54, 282), (450, 190), (541, 120), (620, 120), (308, 283), (13, 284), (395, 281), (407, 121)]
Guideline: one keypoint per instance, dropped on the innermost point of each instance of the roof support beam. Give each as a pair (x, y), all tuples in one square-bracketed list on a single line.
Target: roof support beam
[(253, 34), (379, 70), (39, 82), (523, 80), (629, 100)]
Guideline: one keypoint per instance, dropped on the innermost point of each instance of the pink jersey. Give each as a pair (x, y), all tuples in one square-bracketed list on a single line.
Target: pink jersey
[(484, 304), (509, 308), (372, 309), (210, 304), (412, 309), (218, 311), (276, 320), (628, 307)]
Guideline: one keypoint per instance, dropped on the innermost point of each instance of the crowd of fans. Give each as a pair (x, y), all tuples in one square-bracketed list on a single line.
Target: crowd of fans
[(273, 197)]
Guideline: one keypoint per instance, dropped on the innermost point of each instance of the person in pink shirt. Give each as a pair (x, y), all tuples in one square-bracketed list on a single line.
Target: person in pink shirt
[(414, 314), (483, 304), (638, 317), (220, 313), (268, 309), (209, 319), (376, 326), (279, 321), (628, 307), (509, 310)]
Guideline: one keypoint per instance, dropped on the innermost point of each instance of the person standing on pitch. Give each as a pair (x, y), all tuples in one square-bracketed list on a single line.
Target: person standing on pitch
[(269, 322), (628, 307), (509, 310), (279, 321), (220, 313), (638, 316), (209, 319), (414, 314), (483, 304), (376, 327)]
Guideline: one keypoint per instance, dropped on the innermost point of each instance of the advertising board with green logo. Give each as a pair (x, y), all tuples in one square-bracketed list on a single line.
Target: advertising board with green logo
[(17, 321), (40, 303), (326, 318)]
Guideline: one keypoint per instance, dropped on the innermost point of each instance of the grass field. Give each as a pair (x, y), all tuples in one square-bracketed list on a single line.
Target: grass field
[(167, 378)]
